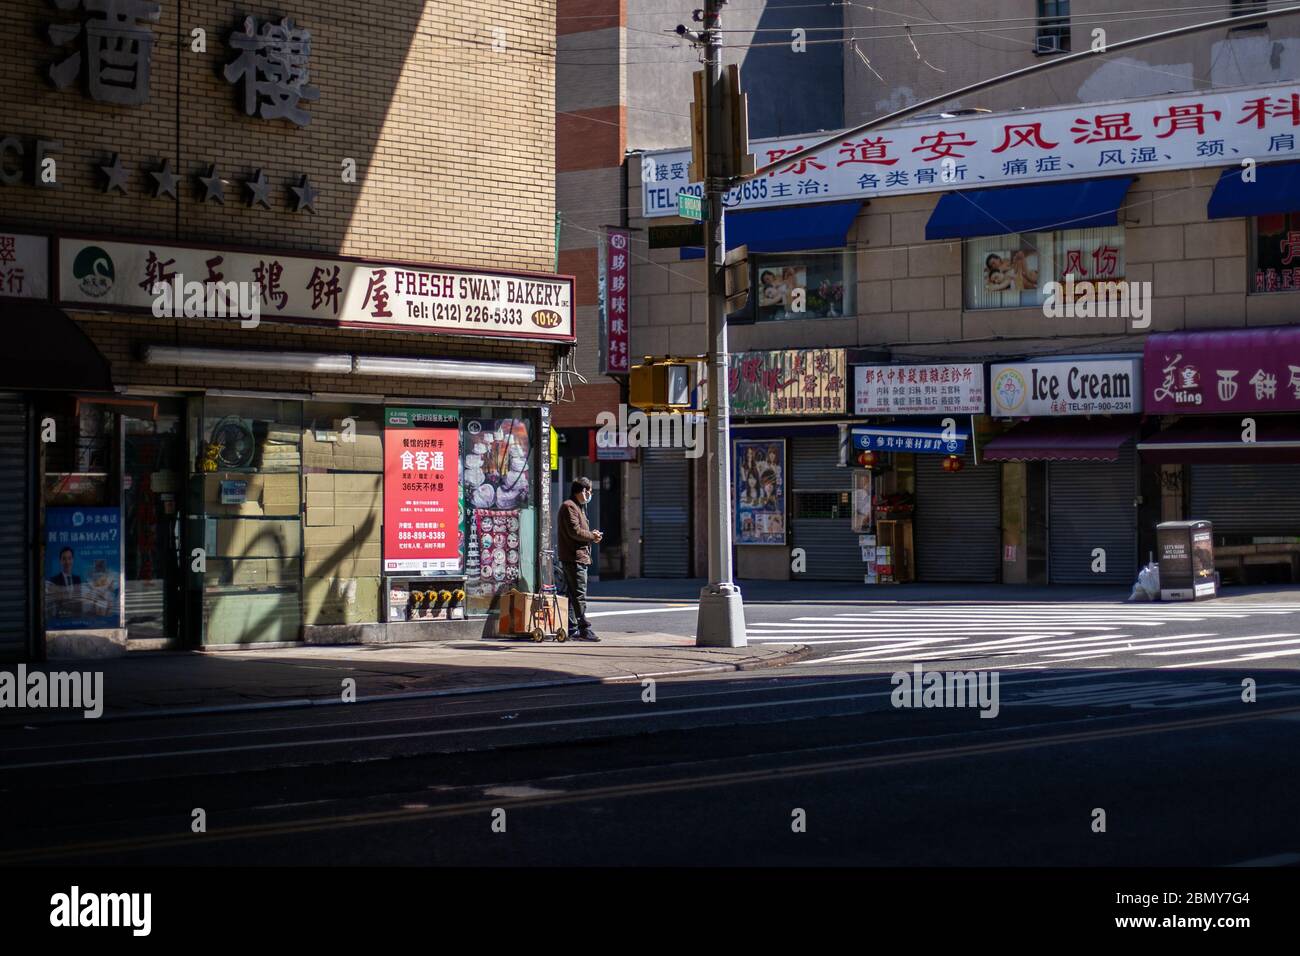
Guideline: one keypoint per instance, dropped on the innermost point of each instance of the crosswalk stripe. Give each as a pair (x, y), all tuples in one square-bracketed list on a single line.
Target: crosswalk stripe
[(1231, 646), (1026, 637), (1242, 659)]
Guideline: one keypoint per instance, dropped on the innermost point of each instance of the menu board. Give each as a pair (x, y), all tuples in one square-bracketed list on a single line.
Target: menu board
[(421, 491)]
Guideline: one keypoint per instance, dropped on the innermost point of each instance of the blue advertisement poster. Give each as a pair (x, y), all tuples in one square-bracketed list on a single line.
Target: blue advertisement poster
[(760, 491), (83, 568)]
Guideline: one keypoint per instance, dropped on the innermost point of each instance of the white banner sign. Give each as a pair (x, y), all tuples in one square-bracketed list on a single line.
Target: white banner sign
[(324, 289), (24, 266), (918, 389), (1071, 142), (1104, 386)]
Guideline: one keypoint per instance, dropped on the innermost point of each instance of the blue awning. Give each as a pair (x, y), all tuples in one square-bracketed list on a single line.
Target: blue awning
[(1007, 209), (791, 229), (1275, 189)]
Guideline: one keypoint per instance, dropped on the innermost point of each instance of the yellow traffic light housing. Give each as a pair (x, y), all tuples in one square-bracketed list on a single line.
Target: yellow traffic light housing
[(662, 384)]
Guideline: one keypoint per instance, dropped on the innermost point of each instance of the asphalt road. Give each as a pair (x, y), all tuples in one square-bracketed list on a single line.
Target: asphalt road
[(715, 770), (1255, 632)]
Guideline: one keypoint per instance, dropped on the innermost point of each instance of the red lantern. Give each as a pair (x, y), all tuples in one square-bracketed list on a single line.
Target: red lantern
[(867, 459), (952, 463)]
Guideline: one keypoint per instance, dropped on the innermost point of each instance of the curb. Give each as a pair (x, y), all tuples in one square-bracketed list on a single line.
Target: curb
[(799, 652)]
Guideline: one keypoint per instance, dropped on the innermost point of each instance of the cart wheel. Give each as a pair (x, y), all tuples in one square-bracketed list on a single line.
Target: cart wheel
[(538, 635), (561, 635)]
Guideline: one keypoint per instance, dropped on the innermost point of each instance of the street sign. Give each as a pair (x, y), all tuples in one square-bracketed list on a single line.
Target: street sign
[(668, 237), (690, 207)]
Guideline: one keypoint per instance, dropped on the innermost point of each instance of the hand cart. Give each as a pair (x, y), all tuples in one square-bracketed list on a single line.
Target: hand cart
[(544, 617)]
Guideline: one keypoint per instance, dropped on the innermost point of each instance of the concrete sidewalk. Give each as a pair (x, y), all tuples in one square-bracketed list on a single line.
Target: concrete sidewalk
[(160, 683), (847, 592)]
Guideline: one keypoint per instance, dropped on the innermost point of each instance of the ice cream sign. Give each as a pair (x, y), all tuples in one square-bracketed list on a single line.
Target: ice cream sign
[(1091, 387)]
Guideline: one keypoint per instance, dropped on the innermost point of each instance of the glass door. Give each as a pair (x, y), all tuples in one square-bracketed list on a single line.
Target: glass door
[(152, 459)]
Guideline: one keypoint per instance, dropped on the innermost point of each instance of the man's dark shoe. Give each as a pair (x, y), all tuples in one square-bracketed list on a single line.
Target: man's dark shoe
[(587, 635)]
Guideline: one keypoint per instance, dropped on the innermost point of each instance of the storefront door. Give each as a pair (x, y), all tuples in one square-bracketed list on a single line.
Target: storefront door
[(152, 461)]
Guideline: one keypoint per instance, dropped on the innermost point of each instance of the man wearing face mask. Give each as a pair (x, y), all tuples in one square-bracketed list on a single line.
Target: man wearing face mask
[(574, 546)]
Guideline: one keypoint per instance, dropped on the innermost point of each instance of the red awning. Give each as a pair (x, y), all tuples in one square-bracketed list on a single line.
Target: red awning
[(1209, 440), (1062, 439)]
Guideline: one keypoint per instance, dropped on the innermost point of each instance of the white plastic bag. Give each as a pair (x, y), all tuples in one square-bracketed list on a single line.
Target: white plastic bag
[(1148, 584)]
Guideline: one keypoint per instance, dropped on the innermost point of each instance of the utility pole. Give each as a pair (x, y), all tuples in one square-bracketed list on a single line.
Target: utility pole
[(721, 617)]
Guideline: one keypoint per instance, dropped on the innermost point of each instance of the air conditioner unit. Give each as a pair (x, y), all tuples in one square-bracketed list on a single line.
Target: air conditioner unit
[(1048, 43)]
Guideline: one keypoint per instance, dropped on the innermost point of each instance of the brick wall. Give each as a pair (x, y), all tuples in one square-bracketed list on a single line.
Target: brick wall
[(453, 140)]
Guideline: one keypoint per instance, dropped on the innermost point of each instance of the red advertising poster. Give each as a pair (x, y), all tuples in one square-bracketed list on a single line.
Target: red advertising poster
[(421, 491), (617, 271)]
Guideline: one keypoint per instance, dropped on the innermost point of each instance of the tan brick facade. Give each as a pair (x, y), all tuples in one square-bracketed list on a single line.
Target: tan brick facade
[(453, 141), (909, 291)]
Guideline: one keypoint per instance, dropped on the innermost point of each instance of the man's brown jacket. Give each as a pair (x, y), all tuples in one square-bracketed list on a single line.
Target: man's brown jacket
[(573, 536)]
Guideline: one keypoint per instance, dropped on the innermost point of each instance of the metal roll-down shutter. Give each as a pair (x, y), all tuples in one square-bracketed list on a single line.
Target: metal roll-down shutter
[(1091, 505), (958, 524)]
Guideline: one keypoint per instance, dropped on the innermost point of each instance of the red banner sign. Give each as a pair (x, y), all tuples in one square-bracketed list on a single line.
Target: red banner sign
[(617, 272), (421, 505)]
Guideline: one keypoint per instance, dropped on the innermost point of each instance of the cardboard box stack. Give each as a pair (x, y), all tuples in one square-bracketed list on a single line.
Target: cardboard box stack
[(328, 449), (341, 548), (252, 553), (279, 449)]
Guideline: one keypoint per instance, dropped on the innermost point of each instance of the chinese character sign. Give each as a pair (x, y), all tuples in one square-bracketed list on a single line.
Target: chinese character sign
[(24, 266), (422, 517), (788, 382), (1255, 370), (111, 48), (83, 568), (918, 389), (323, 289), (617, 271), (1071, 142), (759, 491), (272, 65)]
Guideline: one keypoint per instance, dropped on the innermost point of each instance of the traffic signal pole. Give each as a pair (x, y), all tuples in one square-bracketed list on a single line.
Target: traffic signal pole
[(721, 617)]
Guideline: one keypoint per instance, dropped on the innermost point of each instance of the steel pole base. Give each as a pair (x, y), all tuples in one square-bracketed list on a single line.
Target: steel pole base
[(721, 620)]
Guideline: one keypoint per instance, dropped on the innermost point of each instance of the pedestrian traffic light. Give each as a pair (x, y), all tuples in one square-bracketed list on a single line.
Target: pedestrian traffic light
[(737, 265), (734, 158), (660, 384)]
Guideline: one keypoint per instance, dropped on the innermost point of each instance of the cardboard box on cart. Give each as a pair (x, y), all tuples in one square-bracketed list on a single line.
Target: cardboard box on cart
[(517, 612)]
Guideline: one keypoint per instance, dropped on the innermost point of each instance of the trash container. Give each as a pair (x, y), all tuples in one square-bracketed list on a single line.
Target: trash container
[(1186, 550)]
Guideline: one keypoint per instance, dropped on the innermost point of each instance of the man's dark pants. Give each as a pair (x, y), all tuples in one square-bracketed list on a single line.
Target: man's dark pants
[(575, 581)]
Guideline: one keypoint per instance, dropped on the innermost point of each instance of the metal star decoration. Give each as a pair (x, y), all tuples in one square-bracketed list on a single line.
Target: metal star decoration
[(306, 195), (259, 189), (213, 187), (117, 175), (164, 180)]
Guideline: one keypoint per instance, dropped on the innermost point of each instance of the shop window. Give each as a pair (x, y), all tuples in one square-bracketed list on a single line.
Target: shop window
[(246, 516), (342, 459), (821, 504), (1053, 27), (1275, 253), (802, 285), (1013, 270)]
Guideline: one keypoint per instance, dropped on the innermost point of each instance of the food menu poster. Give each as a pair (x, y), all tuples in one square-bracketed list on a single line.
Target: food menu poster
[(493, 550), (422, 517)]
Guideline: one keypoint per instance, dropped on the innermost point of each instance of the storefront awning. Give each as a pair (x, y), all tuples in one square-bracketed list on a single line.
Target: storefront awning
[(788, 230), (1219, 440), (1063, 439), (1008, 209), (48, 350), (1276, 189)]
